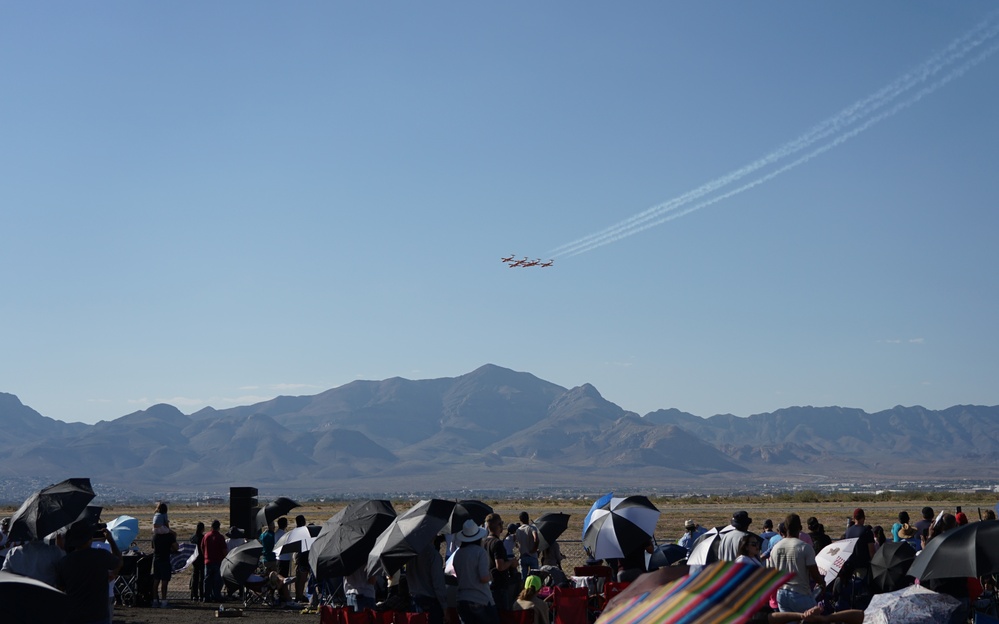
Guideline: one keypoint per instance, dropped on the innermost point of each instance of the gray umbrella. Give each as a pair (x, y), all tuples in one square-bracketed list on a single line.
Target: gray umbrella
[(241, 562), (51, 509), (347, 538), (408, 535), (278, 507), (27, 601)]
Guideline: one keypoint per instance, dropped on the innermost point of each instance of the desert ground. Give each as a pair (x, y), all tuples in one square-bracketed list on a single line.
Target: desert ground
[(184, 517)]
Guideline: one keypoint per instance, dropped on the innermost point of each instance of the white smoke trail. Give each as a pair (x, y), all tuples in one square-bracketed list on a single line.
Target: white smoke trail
[(954, 52), (840, 139)]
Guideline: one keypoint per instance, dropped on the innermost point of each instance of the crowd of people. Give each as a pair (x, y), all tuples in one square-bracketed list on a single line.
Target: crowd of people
[(482, 569), (792, 549)]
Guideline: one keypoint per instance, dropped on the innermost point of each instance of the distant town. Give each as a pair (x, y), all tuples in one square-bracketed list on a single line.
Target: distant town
[(15, 491)]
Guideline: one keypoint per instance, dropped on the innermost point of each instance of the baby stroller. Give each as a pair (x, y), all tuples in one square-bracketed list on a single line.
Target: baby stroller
[(134, 585)]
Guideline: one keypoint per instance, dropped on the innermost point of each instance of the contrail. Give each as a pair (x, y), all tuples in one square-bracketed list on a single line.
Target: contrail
[(842, 138), (855, 113)]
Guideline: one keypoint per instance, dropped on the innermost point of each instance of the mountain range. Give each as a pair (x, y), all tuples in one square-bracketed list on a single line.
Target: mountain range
[(492, 428)]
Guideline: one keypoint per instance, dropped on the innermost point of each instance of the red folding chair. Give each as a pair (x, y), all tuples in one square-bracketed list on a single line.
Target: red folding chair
[(611, 589), (570, 605)]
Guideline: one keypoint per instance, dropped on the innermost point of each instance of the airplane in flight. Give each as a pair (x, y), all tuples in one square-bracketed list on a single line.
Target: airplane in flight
[(518, 262), (531, 263), (545, 265), (507, 259)]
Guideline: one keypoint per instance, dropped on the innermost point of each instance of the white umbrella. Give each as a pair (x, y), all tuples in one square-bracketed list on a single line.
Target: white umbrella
[(615, 527), (912, 605), (705, 549), (831, 559), (299, 539)]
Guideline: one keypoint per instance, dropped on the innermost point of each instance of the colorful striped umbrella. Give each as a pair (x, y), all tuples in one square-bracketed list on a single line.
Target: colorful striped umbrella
[(723, 593)]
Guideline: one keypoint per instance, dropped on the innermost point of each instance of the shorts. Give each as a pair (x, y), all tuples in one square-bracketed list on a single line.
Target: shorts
[(794, 602), (162, 569)]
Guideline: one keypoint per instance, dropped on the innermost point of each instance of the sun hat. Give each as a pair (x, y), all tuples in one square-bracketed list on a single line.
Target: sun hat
[(533, 582), (689, 524), (741, 520), (471, 532), (907, 532)]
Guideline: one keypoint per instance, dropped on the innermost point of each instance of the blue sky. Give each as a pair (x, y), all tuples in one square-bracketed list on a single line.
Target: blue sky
[(216, 203)]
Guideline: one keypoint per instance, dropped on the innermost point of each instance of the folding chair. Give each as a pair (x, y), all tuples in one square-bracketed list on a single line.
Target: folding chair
[(611, 589), (570, 605)]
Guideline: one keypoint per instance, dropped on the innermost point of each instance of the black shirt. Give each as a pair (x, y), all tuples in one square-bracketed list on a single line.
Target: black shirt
[(83, 575)]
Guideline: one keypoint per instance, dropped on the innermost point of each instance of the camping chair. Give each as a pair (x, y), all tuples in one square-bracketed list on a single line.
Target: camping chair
[(126, 589), (570, 605), (611, 589)]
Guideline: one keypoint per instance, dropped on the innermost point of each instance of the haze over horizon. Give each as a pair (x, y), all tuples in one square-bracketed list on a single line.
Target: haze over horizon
[(218, 204)]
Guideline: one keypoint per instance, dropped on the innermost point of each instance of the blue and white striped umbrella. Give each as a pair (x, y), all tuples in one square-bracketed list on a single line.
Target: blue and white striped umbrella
[(616, 527)]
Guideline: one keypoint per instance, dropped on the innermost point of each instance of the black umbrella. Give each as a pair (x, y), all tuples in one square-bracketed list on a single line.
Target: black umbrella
[(273, 510), (241, 562), (50, 509), (408, 535), (890, 566), (550, 527), (469, 509), (346, 539), (28, 601), (666, 555), (971, 550)]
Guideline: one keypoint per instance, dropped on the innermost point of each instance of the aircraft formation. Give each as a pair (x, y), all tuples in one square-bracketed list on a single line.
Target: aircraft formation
[(525, 263)]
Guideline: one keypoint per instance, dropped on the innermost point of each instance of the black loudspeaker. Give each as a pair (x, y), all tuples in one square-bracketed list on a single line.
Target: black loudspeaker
[(243, 508)]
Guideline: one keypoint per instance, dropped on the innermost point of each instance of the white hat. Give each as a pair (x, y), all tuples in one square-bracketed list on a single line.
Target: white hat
[(471, 532)]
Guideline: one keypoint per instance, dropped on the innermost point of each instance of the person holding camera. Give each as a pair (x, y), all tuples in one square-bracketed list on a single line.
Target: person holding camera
[(85, 574)]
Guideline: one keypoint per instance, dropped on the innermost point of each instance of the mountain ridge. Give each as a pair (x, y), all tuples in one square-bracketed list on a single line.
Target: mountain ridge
[(492, 425)]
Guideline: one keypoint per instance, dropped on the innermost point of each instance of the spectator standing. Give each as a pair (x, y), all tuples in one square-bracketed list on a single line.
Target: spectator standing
[(528, 542), (903, 519), (84, 574), (427, 585), (284, 559), (198, 566), (792, 555), (503, 567), (691, 533), (301, 569), (768, 531), (213, 551), (817, 532), (164, 545), (471, 567), (923, 525), (728, 544)]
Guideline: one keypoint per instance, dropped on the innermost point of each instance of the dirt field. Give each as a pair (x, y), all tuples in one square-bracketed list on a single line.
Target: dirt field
[(184, 517)]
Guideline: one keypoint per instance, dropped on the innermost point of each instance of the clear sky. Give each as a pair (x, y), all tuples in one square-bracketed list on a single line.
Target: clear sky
[(213, 203)]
